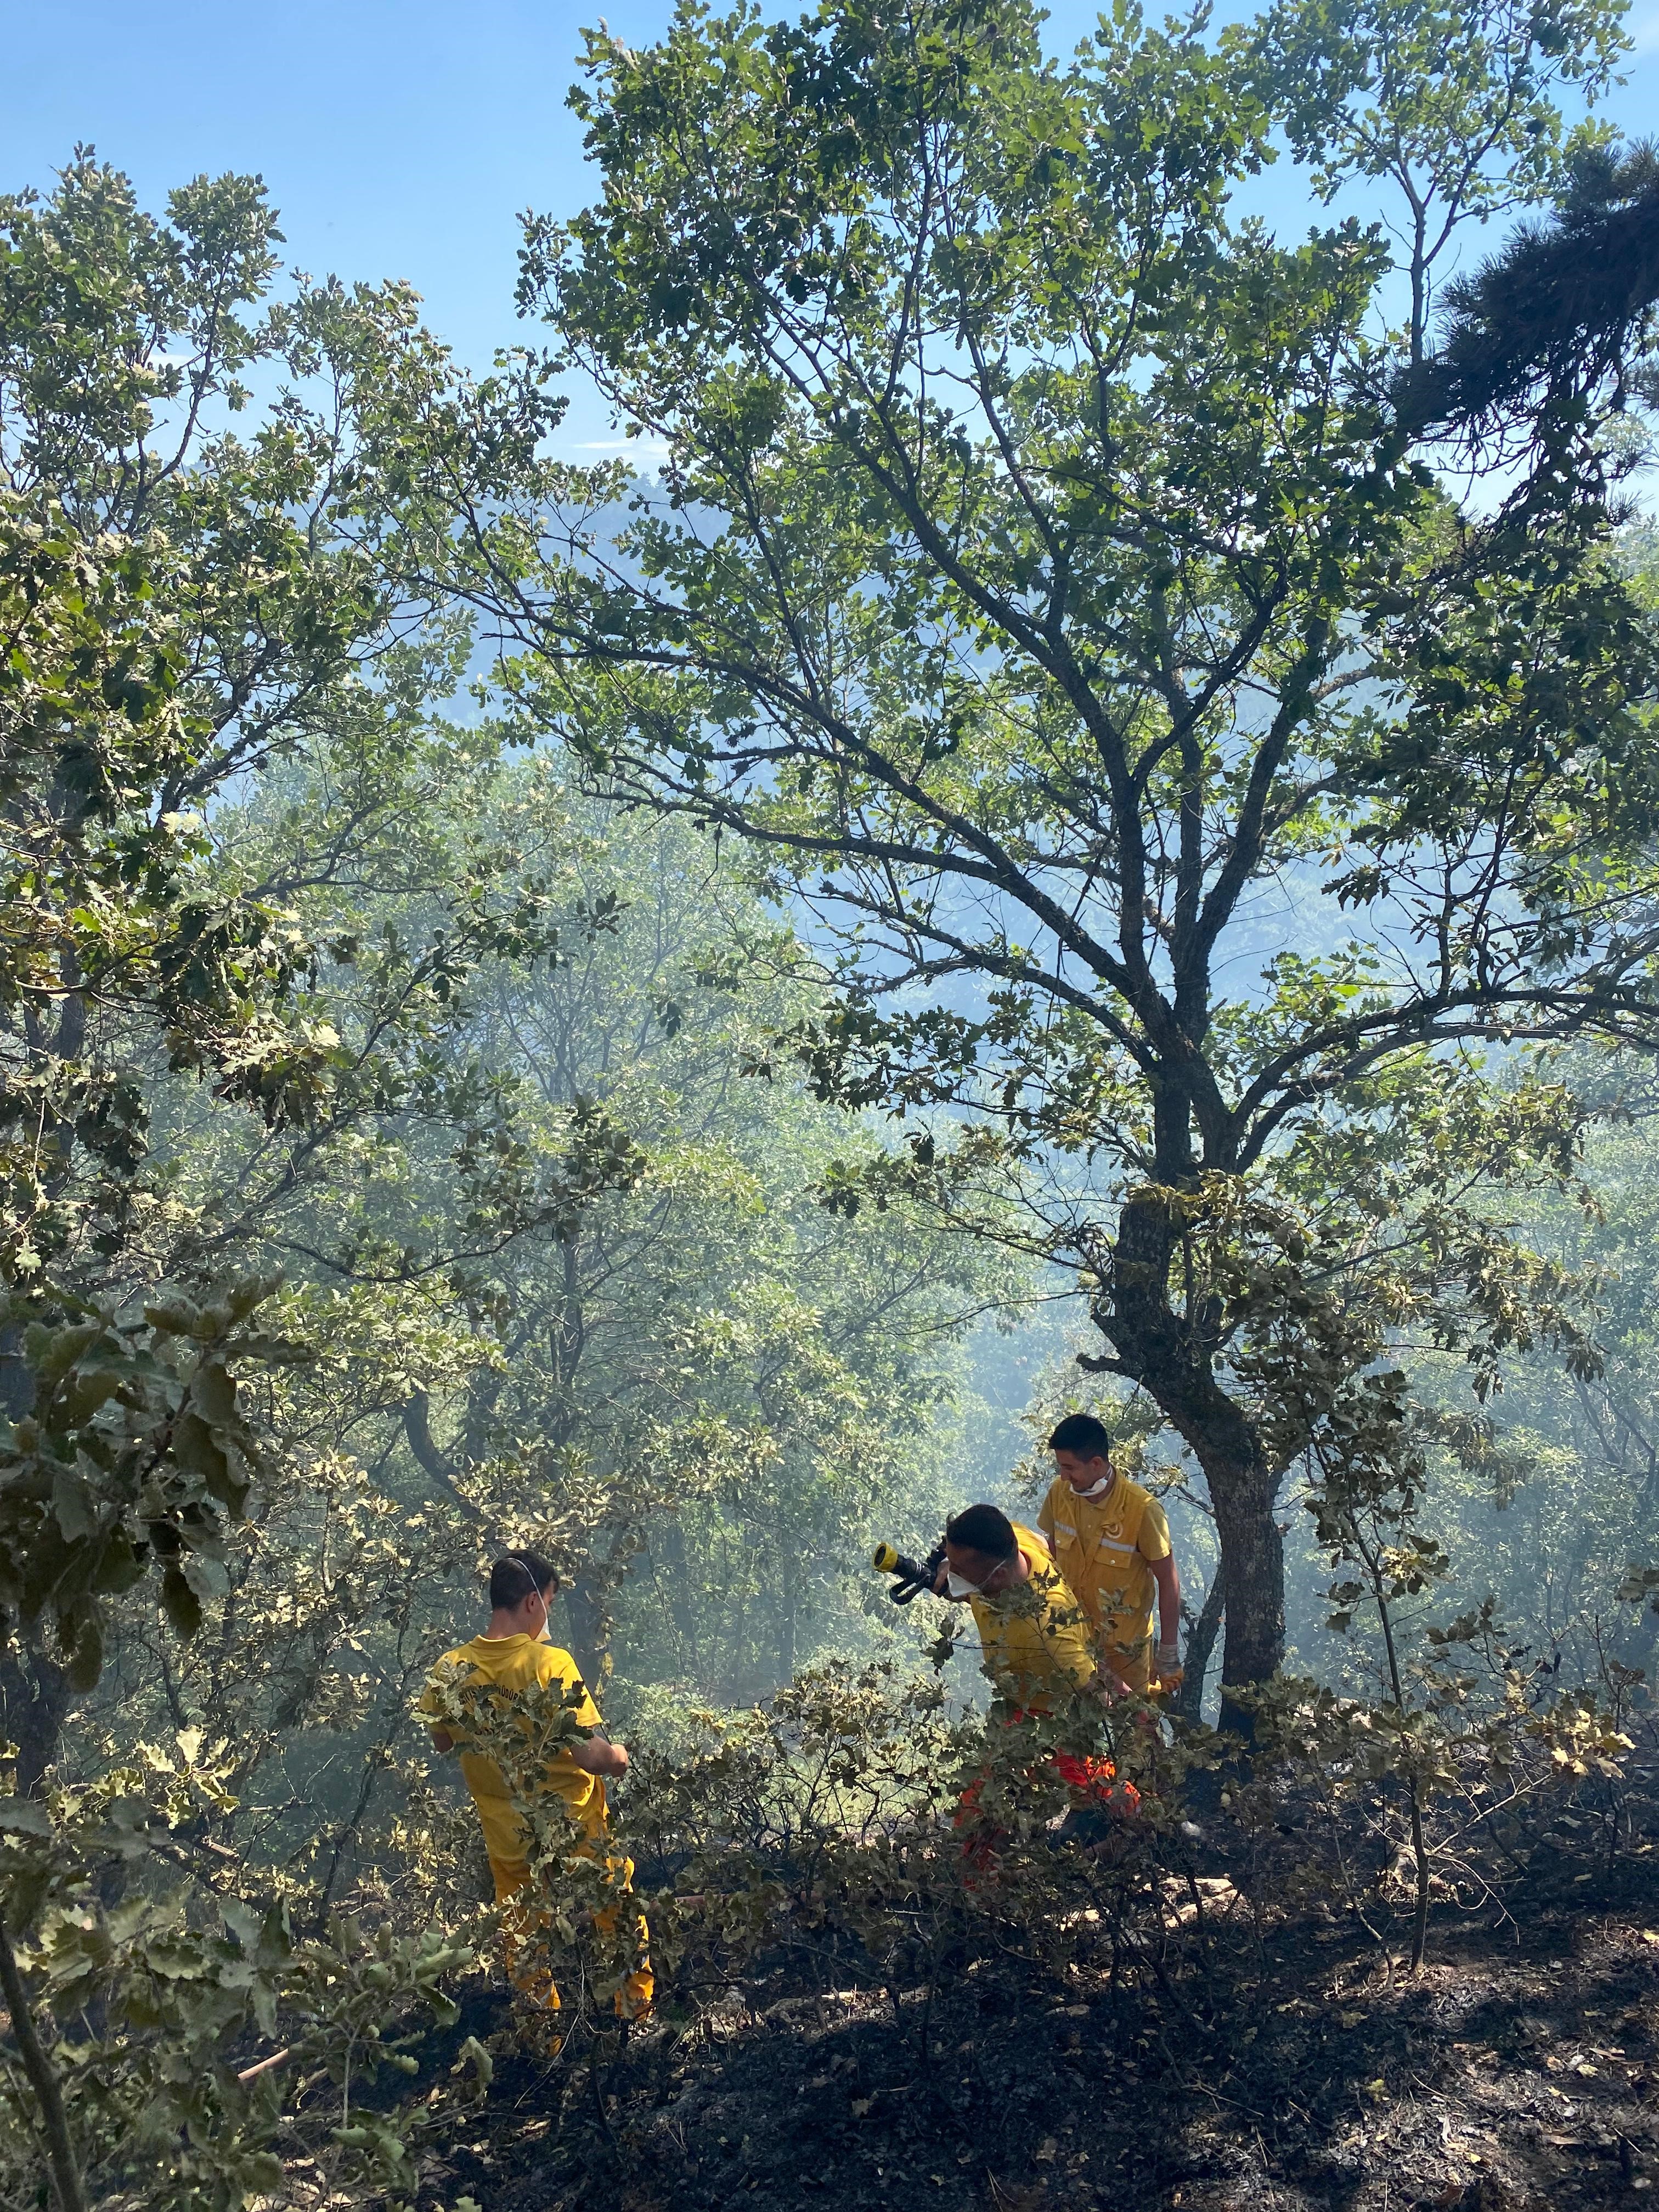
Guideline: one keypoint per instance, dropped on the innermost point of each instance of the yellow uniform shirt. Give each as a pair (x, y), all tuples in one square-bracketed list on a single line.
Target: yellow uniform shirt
[(1104, 1547), (1034, 1640), (514, 1662)]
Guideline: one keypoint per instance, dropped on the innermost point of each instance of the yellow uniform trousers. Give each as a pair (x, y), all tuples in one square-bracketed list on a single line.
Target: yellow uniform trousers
[(632, 2001)]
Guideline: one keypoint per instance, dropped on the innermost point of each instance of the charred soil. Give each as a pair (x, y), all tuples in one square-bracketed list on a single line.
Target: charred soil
[(1271, 2055)]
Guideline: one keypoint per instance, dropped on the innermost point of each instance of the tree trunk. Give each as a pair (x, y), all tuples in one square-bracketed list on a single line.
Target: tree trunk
[(61, 2163), (34, 1701), (1253, 1560), (1172, 1356), (418, 1428), (16, 1376), (680, 1610), (786, 1631), (589, 1615), (1188, 1705)]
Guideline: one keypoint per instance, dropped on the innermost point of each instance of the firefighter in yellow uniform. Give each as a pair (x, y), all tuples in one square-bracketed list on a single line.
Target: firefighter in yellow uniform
[(1112, 1542), (1034, 1646), (513, 1654), (1034, 1640)]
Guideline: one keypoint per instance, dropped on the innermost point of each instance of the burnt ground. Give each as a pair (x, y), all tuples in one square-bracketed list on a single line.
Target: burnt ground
[(1283, 2060)]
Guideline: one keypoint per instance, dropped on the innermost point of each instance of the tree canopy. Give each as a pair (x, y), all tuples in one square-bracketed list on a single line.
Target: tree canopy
[(1040, 579), (558, 1006)]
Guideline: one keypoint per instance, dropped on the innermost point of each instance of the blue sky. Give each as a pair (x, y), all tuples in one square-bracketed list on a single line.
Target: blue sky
[(397, 139)]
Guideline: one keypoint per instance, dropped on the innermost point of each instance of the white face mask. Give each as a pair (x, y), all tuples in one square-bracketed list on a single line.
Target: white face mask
[(959, 1586), (1097, 1489)]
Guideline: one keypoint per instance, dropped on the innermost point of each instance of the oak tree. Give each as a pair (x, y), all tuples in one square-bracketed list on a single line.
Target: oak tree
[(1037, 577)]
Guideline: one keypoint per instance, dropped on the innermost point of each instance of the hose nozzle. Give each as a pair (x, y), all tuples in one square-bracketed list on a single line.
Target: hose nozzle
[(912, 1576)]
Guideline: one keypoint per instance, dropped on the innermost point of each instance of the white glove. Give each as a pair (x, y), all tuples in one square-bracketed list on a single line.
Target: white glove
[(1168, 1661)]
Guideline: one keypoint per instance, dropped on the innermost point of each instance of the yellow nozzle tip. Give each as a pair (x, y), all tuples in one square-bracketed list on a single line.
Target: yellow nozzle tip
[(886, 1559)]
